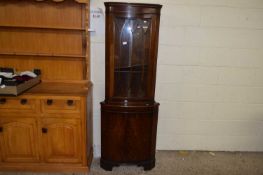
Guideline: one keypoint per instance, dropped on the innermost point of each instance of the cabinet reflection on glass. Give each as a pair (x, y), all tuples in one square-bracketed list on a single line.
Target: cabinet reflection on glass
[(131, 57)]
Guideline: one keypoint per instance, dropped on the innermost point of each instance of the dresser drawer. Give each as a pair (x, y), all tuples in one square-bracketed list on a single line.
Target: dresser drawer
[(60, 105), (17, 105)]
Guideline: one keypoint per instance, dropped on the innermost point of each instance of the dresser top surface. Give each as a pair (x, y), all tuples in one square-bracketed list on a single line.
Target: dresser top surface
[(60, 88)]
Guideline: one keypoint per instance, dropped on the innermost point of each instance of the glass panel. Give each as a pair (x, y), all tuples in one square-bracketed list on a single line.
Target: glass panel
[(131, 57)]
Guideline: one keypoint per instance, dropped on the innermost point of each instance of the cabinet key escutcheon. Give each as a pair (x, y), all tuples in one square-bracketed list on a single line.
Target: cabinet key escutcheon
[(49, 102), (1, 129), (2, 101), (44, 130), (23, 101), (70, 102)]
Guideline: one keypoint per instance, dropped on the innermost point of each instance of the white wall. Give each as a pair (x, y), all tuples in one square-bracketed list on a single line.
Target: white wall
[(209, 78)]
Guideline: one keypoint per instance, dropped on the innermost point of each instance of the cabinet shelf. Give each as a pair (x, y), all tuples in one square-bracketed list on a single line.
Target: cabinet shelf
[(43, 27), (61, 88), (135, 68), (43, 55), (129, 71)]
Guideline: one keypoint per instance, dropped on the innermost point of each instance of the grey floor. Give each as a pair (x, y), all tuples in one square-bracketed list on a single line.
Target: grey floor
[(185, 163)]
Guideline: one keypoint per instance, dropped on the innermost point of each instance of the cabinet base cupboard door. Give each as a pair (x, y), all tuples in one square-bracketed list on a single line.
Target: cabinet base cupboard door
[(17, 140), (61, 140), (129, 113)]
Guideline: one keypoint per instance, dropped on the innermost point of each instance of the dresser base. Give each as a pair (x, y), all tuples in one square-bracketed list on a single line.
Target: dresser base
[(43, 168)]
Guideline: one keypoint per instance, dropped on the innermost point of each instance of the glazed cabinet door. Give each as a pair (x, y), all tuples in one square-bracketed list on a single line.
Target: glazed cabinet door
[(18, 140), (131, 61), (131, 56), (61, 141)]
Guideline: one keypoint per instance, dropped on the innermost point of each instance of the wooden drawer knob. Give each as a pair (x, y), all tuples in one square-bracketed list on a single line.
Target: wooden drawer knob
[(1, 129), (70, 102), (49, 102), (2, 101), (44, 130), (23, 101)]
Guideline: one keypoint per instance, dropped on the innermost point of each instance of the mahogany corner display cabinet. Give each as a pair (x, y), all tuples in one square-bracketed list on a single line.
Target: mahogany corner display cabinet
[(129, 113), (49, 127)]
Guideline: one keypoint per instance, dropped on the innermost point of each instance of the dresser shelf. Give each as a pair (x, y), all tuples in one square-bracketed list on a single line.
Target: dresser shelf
[(43, 55), (42, 28), (61, 88)]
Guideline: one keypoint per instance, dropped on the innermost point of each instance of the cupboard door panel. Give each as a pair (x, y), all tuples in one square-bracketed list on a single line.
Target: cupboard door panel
[(127, 137), (61, 140), (18, 140)]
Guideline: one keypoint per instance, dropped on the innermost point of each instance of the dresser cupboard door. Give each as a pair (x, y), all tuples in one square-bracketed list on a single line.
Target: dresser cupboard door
[(61, 140), (18, 140)]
